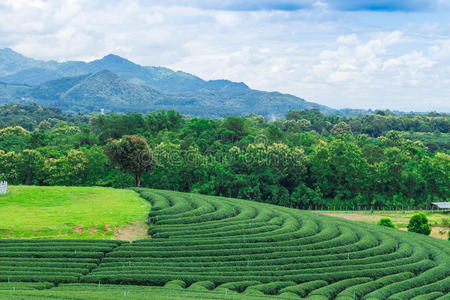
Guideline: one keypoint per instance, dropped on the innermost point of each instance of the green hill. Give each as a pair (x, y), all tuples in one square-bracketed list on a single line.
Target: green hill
[(207, 247), (106, 90), (116, 84), (69, 212), (92, 92)]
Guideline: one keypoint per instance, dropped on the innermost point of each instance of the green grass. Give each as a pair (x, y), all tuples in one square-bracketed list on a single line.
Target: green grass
[(68, 212)]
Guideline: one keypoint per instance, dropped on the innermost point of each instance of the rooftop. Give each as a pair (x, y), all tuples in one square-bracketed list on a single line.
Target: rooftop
[(442, 205)]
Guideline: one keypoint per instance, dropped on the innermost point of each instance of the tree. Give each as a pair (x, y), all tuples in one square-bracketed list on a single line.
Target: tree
[(29, 166), (340, 171), (132, 154), (235, 128), (341, 128), (419, 223), (386, 222), (44, 125)]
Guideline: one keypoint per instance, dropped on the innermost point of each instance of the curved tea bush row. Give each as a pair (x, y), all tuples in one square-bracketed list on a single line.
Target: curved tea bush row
[(56, 261), (25, 285), (221, 246), (109, 292), (304, 289), (259, 249)]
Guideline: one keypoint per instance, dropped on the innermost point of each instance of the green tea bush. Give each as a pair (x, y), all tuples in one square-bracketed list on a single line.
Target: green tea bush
[(203, 285), (175, 284), (330, 291), (271, 288), (429, 296), (419, 224), (239, 286), (386, 222), (304, 289)]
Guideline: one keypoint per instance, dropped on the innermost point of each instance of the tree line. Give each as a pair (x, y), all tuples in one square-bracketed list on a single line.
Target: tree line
[(304, 160)]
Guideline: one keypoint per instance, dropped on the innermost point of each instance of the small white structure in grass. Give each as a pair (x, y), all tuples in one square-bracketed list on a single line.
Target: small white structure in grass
[(3, 187)]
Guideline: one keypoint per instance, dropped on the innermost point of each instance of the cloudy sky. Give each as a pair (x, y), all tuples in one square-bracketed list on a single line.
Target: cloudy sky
[(343, 53)]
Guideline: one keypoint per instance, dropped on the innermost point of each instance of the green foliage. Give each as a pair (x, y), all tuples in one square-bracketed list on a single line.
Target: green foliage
[(386, 222), (285, 162), (419, 223), (31, 116), (108, 292), (304, 289), (37, 261), (132, 154), (341, 128)]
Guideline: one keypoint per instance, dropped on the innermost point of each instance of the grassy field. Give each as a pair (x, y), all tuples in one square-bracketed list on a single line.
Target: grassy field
[(72, 213), (439, 222), (205, 247)]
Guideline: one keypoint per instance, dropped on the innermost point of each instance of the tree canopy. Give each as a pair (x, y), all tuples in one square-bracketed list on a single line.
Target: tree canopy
[(132, 154), (300, 161)]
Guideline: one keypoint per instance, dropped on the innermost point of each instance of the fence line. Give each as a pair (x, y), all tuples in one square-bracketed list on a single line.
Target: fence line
[(3, 187)]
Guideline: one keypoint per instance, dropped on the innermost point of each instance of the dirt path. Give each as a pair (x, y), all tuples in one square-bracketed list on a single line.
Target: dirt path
[(132, 232), (359, 217), (436, 232)]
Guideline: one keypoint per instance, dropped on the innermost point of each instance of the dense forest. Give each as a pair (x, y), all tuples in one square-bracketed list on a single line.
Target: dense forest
[(304, 160)]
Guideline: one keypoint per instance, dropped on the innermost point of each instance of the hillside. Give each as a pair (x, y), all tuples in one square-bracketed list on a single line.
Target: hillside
[(219, 247), (92, 92), (70, 212), (136, 88), (30, 116)]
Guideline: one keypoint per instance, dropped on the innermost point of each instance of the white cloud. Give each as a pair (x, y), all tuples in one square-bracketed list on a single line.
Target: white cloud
[(347, 39), (319, 54)]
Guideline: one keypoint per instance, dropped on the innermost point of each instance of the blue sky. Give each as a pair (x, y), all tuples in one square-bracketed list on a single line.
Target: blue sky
[(360, 54)]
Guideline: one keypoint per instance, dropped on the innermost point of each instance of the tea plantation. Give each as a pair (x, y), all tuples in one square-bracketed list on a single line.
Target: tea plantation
[(205, 247)]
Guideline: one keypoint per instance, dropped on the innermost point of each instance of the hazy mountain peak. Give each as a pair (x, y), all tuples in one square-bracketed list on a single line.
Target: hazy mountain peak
[(113, 58), (8, 51), (14, 57), (12, 62)]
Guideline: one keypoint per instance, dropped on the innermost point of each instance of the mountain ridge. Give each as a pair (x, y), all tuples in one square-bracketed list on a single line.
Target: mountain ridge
[(135, 87)]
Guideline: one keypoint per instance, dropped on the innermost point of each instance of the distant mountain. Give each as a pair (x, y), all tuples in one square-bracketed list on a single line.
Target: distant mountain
[(117, 84), (12, 62), (35, 72)]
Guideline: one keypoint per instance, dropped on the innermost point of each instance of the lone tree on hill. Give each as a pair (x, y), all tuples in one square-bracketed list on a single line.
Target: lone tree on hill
[(132, 154), (419, 223)]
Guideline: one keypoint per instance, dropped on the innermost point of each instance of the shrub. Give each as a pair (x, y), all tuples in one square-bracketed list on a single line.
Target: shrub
[(386, 222), (272, 288), (239, 286), (430, 296), (203, 285), (330, 291), (175, 284), (419, 223), (303, 289)]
